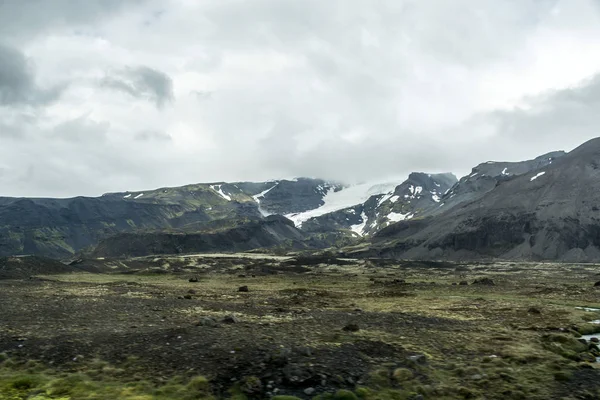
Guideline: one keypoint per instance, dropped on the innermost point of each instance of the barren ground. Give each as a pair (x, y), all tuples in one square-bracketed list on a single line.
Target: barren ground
[(380, 330)]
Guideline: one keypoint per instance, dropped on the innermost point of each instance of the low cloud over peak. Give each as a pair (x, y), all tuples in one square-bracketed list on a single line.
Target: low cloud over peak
[(101, 96)]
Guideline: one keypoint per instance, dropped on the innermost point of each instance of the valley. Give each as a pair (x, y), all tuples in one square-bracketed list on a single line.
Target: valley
[(252, 326)]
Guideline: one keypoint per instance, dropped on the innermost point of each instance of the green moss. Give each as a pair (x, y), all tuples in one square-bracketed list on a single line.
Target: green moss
[(344, 395), (562, 376), (402, 374)]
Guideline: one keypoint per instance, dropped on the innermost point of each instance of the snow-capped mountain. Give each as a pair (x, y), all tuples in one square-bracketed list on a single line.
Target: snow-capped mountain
[(393, 203), (485, 177)]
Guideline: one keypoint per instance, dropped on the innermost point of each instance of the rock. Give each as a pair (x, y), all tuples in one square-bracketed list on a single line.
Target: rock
[(419, 359), (187, 297), (303, 351), (241, 276), (484, 281), (230, 319), (534, 310), (243, 289), (587, 357), (193, 280), (597, 284), (280, 357), (595, 340), (207, 321), (251, 385), (402, 375), (351, 328), (583, 341), (463, 283), (191, 291), (296, 374), (309, 391)]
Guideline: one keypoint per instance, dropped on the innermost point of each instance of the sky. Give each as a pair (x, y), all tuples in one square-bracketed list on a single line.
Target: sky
[(102, 96)]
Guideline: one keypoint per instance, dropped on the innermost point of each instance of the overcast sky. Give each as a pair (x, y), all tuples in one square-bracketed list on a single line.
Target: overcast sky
[(114, 95)]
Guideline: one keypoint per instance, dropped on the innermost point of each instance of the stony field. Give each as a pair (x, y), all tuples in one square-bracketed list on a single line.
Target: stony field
[(254, 327)]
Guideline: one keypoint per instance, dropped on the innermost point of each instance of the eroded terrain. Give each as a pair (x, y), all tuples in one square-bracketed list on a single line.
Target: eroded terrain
[(305, 327)]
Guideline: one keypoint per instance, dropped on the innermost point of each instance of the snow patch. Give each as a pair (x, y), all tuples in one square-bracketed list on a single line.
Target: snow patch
[(345, 198), (217, 188), (128, 196), (385, 198), (397, 217), (138, 196), (262, 195), (415, 192), (359, 228), (504, 171), (394, 199), (537, 176), (436, 198), (474, 175)]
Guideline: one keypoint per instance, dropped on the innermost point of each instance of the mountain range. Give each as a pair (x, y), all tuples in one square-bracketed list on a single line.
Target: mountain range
[(546, 208)]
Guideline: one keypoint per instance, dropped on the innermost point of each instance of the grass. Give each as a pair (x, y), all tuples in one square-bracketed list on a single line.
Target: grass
[(19, 381), (479, 342)]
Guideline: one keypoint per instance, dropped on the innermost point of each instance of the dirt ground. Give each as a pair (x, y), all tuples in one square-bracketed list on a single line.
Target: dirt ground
[(397, 330)]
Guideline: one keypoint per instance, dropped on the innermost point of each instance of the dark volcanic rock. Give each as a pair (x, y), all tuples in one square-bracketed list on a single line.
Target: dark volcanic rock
[(351, 328), (270, 232), (484, 281), (25, 267), (230, 319), (597, 284), (543, 214), (243, 289)]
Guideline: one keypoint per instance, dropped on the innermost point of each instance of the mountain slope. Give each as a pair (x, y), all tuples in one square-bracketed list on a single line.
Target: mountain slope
[(271, 232), (484, 178), (552, 213), (419, 194), (61, 227)]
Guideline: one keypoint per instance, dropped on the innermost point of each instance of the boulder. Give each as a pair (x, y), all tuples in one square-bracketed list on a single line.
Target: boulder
[(351, 328), (230, 319), (484, 281)]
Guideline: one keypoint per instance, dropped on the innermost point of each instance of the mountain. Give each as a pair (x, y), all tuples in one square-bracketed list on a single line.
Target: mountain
[(25, 267), (485, 177), (543, 209), (419, 194), (549, 213), (268, 233), (61, 227)]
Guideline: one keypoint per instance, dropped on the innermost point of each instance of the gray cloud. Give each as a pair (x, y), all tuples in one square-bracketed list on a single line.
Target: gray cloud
[(150, 135), (343, 89), (143, 83), (17, 81), (28, 18)]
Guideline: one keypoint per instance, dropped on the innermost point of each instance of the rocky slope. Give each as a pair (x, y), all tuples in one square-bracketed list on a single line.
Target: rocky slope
[(551, 213), (61, 227), (272, 232), (25, 267), (419, 194), (485, 177)]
